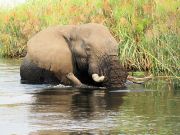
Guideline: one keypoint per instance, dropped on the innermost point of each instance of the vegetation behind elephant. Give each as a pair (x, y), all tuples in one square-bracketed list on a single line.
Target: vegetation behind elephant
[(74, 54)]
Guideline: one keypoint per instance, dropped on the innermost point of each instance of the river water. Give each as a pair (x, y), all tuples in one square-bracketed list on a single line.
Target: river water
[(151, 108)]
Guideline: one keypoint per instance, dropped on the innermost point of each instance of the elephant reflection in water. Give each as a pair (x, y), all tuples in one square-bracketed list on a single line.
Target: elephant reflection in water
[(62, 109), (76, 104)]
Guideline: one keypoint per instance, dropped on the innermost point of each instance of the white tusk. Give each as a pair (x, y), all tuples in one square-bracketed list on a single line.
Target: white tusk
[(101, 78), (96, 78)]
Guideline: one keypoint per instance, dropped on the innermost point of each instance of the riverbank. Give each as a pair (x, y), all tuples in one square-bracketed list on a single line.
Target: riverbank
[(147, 31)]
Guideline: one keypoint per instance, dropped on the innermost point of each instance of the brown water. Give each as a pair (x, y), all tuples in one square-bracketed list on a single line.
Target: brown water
[(153, 108)]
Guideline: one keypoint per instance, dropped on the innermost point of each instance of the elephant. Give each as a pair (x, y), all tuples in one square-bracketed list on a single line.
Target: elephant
[(76, 55)]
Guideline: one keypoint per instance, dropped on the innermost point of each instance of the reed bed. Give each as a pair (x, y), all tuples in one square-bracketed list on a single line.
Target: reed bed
[(148, 31)]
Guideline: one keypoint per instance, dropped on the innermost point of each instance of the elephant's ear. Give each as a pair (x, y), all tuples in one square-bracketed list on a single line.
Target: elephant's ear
[(49, 49)]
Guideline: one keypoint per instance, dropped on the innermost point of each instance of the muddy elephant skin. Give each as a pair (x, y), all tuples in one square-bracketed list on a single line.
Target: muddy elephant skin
[(73, 55)]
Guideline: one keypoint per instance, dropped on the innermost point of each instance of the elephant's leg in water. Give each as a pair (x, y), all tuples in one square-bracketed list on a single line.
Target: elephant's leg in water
[(74, 80)]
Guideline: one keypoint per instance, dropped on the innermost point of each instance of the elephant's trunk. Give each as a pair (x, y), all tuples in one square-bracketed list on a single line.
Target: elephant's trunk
[(115, 74), (107, 71)]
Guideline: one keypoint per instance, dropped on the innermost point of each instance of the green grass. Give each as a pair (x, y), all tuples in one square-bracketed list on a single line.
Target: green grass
[(147, 30)]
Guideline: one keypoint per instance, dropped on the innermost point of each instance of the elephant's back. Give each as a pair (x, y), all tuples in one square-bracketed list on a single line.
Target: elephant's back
[(49, 50)]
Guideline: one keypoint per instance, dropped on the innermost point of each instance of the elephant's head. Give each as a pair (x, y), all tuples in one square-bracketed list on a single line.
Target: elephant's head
[(96, 51)]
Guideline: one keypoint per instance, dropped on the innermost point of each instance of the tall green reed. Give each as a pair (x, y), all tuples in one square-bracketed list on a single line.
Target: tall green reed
[(147, 30)]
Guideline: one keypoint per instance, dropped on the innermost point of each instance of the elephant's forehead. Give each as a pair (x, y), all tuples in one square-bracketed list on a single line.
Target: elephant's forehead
[(87, 30), (100, 41)]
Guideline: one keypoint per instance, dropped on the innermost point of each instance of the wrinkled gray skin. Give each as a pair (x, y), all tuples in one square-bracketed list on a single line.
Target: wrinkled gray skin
[(71, 55)]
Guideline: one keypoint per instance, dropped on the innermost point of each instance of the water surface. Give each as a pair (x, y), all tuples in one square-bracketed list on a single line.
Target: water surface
[(152, 108)]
